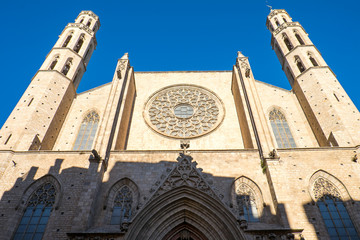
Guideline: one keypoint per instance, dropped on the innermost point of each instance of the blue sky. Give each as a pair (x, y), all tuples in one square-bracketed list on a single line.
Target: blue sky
[(175, 35)]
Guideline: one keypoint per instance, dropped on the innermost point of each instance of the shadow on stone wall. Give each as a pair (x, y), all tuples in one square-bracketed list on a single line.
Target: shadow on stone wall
[(83, 208), (316, 219)]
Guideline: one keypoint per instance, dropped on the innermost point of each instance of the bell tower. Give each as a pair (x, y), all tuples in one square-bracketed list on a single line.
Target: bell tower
[(330, 112), (37, 118)]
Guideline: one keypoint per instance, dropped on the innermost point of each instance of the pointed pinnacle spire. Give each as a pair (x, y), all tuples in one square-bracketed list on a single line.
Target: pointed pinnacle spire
[(240, 55), (126, 56)]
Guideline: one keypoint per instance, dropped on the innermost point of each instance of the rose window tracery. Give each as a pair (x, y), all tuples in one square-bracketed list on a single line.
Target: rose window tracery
[(184, 111)]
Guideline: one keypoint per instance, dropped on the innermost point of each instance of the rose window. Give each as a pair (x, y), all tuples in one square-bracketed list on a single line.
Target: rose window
[(184, 111)]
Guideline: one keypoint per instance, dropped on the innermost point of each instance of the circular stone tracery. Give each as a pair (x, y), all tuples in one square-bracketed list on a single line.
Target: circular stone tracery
[(184, 111)]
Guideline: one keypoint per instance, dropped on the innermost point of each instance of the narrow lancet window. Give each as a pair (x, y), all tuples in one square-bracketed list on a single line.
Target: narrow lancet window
[(122, 206), (53, 63), (312, 60), (67, 67), (299, 64), (287, 42), (87, 131), (79, 43), (277, 22), (88, 23), (37, 213), (67, 40), (297, 35), (284, 19), (281, 130)]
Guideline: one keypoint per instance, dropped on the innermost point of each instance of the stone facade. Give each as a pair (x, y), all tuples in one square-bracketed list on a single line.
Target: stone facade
[(130, 174)]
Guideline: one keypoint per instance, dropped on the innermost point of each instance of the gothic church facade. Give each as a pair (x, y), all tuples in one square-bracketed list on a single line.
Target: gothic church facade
[(201, 155)]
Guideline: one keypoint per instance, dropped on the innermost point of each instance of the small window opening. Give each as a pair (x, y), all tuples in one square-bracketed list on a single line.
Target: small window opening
[(81, 21), (79, 44), (88, 23), (299, 39), (67, 67), (7, 140), (30, 101), (299, 64), (277, 23), (336, 97), (67, 40), (287, 42), (312, 60), (53, 64), (284, 19)]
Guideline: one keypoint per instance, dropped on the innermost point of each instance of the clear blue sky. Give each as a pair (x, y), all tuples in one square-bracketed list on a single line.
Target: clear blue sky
[(175, 35)]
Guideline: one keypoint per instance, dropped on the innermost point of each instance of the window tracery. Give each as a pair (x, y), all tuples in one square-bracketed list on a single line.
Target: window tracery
[(184, 111), (37, 213), (281, 130), (333, 211), (245, 199), (122, 206), (87, 131)]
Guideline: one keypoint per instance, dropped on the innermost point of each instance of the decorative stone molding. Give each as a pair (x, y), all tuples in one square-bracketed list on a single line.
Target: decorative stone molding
[(184, 173), (284, 26), (322, 183), (184, 111), (324, 187), (276, 11), (82, 27)]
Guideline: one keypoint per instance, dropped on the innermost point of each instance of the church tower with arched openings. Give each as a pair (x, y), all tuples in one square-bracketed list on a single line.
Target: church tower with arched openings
[(332, 115), (38, 117), (180, 155)]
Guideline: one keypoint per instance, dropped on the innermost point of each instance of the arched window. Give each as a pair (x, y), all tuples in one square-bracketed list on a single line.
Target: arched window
[(79, 43), (88, 23), (277, 22), (287, 42), (284, 19), (246, 204), (122, 206), (67, 66), (247, 199), (312, 60), (299, 64), (86, 135), (81, 21), (281, 130), (333, 211), (67, 40), (297, 35), (37, 213), (53, 63)]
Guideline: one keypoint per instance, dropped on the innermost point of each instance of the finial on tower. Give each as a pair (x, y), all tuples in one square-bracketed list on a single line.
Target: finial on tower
[(125, 56), (240, 55)]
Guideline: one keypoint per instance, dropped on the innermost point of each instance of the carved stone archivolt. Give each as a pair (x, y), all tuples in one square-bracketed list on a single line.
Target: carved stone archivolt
[(184, 111), (324, 187)]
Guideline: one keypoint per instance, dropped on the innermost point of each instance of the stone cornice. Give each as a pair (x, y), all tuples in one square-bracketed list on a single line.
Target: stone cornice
[(286, 25), (276, 11), (82, 27)]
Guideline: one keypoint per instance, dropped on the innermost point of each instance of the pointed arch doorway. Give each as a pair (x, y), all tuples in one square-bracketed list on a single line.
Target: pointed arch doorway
[(185, 232), (184, 213)]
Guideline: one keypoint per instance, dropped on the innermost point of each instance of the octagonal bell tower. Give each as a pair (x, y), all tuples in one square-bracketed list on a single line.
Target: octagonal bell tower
[(37, 118), (330, 112)]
